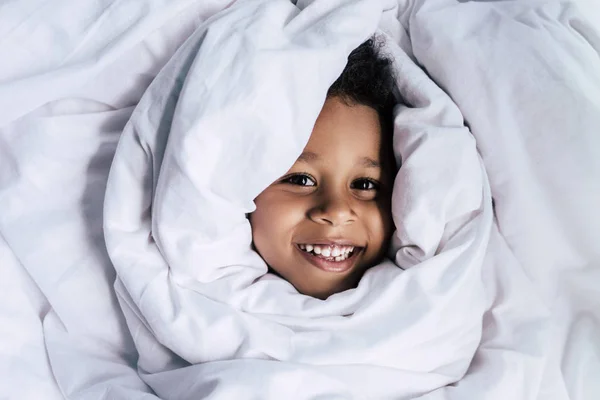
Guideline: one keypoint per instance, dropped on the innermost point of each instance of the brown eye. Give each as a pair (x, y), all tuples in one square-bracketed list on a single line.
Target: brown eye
[(365, 184), (300, 180)]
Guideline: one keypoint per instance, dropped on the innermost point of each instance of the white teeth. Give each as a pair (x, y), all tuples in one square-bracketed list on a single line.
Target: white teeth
[(338, 253)]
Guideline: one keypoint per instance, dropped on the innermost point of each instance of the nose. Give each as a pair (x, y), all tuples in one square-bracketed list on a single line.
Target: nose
[(332, 208)]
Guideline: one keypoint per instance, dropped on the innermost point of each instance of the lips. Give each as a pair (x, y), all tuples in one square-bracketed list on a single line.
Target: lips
[(330, 257)]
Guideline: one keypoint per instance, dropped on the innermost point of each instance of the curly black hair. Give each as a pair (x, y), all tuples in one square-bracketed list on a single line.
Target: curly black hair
[(367, 79)]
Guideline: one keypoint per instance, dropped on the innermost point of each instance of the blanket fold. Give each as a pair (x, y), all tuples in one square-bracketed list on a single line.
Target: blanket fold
[(228, 115)]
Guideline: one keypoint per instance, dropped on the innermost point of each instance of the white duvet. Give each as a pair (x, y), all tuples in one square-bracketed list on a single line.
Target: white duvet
[(495, 305)]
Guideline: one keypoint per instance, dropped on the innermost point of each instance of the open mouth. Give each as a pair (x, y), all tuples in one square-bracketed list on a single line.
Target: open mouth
[(327, 252), (331, 258)]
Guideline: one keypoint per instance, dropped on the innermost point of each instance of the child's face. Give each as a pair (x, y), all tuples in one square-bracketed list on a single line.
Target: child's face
[(334, 198)]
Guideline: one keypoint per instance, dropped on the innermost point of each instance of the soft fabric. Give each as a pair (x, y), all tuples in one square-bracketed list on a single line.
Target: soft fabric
[(227, 116), (524, 76)]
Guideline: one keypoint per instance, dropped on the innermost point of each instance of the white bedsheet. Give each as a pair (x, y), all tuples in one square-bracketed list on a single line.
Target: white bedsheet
[(524, 75)]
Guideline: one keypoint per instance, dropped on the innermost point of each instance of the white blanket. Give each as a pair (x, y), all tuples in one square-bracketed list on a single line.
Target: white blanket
[(227, 116), (505, 87)]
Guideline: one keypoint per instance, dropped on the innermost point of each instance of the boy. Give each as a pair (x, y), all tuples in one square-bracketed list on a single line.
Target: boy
[(328, 219)]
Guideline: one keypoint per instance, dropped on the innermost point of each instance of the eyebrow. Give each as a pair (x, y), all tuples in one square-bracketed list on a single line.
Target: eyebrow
[(366, 162), (308, 156), (370, 163)]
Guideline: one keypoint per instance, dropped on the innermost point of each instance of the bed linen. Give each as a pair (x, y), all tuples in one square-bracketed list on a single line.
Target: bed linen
[(227, 116), (523, 353)]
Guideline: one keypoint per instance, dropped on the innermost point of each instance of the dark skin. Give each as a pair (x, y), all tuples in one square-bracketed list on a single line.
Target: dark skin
[(339, 189)]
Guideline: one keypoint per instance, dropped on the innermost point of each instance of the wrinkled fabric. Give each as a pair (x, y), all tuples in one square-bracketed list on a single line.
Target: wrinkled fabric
[(221, 121), (524, 77)]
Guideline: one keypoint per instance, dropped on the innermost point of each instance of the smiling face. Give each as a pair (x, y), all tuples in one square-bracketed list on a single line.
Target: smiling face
[(335, 200)]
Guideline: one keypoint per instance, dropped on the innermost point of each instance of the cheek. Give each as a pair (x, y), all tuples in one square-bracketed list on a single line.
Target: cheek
[(273, 223), (380, 226)]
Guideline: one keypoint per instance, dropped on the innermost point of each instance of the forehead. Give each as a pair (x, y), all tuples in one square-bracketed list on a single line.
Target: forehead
[(353, 130)]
